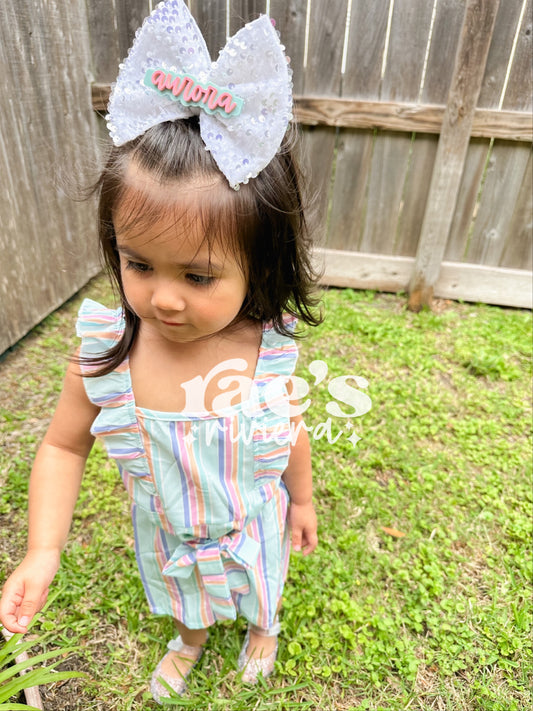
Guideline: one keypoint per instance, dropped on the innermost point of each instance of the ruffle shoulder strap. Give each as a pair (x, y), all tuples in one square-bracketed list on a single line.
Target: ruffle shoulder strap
[(100, 329), (279, 353)]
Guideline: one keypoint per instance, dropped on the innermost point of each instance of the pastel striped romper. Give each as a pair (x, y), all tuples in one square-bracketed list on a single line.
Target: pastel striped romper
[(208, 504)]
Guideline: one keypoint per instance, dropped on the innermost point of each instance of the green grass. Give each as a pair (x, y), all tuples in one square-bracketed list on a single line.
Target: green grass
[(419, 595)]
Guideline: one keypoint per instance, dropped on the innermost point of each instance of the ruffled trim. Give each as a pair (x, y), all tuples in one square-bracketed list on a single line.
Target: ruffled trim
[(278, 353), (272, 433), (99, 329)]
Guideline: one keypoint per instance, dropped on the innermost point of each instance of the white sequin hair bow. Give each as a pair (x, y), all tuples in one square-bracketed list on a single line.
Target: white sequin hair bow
[(243, 99)]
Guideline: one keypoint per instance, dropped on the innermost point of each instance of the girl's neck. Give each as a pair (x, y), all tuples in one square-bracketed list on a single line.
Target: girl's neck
[(162, 372)]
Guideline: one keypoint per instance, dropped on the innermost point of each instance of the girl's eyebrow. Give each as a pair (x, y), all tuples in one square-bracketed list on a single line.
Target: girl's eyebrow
[(201, 264)]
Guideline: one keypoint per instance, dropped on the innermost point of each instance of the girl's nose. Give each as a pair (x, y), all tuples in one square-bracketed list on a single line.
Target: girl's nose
[(166, 297)]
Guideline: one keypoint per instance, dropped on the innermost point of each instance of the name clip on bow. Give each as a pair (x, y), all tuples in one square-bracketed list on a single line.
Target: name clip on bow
[(243, 100)]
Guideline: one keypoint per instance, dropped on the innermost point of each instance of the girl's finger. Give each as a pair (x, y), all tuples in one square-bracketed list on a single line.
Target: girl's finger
[(297, 540)]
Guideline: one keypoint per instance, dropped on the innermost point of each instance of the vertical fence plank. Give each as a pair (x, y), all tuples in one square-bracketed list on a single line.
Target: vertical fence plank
[(366, 42), (519, 93), (518, 252), (480, 16), (211, 18), (129, 16), (323, 78), (243, 11), (506, 162), (390, 164), (434, 90), (290, 16), (480, 153), (504, 34), (503, 178), (518, 249), (104, 41)]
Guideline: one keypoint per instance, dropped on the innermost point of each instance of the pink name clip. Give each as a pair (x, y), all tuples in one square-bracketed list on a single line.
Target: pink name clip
[(190, 92)]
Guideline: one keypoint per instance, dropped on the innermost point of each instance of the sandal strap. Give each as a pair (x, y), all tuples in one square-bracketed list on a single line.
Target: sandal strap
[(270, 632), (178, 645)]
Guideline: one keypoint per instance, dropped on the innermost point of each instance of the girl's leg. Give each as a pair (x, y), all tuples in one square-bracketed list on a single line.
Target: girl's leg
[(179, 664), (260, 646), (259, 651)]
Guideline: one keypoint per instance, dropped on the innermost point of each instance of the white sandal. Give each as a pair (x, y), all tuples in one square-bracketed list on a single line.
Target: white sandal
[(252, 667), (177, 683)]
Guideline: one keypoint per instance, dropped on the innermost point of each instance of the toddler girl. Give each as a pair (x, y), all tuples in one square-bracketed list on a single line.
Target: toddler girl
[(201, 226)]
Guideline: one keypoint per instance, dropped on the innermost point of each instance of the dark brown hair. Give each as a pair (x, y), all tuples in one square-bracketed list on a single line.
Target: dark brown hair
[(265, 219)]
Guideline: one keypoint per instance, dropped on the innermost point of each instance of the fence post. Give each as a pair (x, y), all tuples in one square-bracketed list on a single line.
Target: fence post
[(470, 61)]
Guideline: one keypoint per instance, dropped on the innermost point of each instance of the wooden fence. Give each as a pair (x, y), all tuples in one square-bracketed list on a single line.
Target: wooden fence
[(416, 120), (47, 243)]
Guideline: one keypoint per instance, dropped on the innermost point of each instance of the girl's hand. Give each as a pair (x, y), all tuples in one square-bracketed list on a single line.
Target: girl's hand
[(302, 522), (26, 590)]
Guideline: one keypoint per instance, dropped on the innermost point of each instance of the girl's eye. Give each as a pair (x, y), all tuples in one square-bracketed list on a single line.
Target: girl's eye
[(200, 280), (137, 266)]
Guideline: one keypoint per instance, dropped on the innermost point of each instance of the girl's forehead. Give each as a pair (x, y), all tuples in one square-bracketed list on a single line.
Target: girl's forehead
[(143, 183), (179, 204), (191, 215)]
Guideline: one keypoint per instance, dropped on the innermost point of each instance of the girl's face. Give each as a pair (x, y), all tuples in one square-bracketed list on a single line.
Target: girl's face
[(181, 288)]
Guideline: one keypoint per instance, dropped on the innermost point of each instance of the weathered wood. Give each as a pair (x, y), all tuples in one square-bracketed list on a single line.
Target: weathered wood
[(402, 76), (501, 185), (519, 93), (489, 285), (443, 47), (348, 212), (211, 18), (506, 163), (485, 203), (355, 148), (103, 34), (468, 282), (129, 16), (360, 270), (415, 194), (416, 118), (469, 66), (467, 198), (403, 70), (364, 56), (243, 11), (385, 189), (442, 39), (290, 18), (47, 142), (505, 29), (518, 251), (325, 47)]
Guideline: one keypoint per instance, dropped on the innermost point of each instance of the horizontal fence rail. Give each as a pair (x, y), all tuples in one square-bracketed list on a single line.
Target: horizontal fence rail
[(411, 118)]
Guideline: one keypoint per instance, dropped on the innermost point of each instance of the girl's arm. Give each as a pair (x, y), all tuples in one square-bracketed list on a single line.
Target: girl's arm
[(54, 485), (299, 482)]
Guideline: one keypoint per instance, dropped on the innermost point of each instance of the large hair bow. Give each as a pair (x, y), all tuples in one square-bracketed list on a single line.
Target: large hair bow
[(243, 99)]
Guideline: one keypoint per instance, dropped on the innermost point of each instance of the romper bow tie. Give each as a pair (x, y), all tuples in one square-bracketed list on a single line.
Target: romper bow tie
[(208, 555), (243, 99)]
